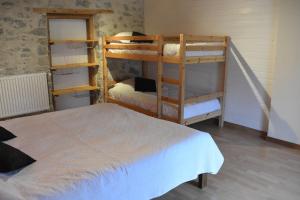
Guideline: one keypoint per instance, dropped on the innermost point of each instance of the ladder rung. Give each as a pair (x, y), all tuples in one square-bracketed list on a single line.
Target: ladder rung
[(176, 106), (170, 100), (170, 81)]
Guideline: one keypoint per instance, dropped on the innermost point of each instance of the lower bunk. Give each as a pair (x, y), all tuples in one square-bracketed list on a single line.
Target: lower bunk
[(123, 93)]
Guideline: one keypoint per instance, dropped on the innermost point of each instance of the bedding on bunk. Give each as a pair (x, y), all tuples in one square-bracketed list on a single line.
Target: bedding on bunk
[(105, 151), (172, 50), (132, 33), (124, 91)]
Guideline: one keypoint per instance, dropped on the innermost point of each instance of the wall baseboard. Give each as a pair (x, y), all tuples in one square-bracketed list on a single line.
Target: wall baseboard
[(26, 115), (258, 132), (264, 135), (281, 142)]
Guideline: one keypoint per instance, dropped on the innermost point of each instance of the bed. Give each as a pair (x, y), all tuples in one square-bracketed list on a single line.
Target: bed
[(180, 50), (105, 151), (124, 92)]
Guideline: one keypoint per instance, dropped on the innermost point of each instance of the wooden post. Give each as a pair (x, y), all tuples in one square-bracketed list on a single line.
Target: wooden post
[(91, 56), (104, 69), (224, 80), (50, 64), (159, 77), (181, 78)]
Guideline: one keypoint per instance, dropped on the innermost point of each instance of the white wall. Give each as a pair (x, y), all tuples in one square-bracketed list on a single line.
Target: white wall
[(285, 109), (251, 26)]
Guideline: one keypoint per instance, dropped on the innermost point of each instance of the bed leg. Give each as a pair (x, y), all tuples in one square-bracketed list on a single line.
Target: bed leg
[(221, 121), (202, 181)]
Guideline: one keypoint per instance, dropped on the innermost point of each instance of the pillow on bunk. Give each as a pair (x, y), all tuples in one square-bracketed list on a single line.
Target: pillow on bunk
[(140, 41), (132, 34), (5, 134), (12, 159), (144, 84)]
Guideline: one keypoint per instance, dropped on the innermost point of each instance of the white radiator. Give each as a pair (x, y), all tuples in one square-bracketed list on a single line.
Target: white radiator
[(23, 94)]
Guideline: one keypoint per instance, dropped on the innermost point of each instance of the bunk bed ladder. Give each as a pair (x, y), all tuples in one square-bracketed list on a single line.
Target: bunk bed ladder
[(180, 83)]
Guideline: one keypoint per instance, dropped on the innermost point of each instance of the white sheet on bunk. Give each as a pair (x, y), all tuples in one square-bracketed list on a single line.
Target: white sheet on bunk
[(105, 151), (173, 50), (124, 91)]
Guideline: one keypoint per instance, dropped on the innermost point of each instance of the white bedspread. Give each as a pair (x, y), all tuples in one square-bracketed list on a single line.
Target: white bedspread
[(105, 152), (173, 50), (124, 91)]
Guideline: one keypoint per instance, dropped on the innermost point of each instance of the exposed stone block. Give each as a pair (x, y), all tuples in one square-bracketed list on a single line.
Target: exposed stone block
[(39, 32)]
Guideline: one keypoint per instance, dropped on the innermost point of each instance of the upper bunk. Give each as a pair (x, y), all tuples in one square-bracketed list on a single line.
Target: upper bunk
[(193, 49), (146, 48), (182, 48)]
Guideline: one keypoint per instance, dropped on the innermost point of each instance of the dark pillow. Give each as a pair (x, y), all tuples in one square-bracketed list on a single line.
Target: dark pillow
[(12, 159), (140, 41), (5, 134), (144, 85)]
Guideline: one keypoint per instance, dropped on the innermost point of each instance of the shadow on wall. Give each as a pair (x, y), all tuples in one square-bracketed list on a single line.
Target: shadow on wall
[(119, 69), (244, 90), (280, 129), (257, 102)]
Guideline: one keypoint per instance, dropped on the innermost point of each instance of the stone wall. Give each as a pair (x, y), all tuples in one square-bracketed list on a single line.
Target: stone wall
[(24, 39)]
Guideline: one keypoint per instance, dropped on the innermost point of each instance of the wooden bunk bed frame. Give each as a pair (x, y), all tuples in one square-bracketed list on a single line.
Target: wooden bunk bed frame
[(181, 60)]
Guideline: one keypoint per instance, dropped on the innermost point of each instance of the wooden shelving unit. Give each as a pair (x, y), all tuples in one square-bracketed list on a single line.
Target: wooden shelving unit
[(74, 65), (74, 90), (92, 62)]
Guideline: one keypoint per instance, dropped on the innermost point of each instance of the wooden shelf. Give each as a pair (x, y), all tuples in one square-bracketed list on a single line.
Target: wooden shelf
[(70, 11), (51, 42), (73, 65), (74, 90)]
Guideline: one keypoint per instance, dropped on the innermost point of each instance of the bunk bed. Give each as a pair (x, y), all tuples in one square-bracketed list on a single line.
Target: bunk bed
[(181, 106)]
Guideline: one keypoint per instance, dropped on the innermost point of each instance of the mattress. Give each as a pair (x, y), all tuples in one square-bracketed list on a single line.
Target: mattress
[(173, 50), (105, 151), (124, 91)]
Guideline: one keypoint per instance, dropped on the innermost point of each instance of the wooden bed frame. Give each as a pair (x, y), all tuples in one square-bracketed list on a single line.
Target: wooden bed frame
[(202, 181), (179, 60)]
